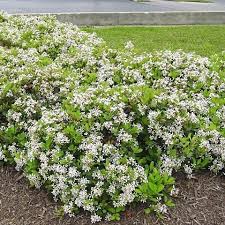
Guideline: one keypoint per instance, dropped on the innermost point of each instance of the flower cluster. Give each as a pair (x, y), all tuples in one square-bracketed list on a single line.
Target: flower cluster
[(101, 128)]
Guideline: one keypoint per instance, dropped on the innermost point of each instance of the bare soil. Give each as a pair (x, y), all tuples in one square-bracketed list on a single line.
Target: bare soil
[(201, 201)]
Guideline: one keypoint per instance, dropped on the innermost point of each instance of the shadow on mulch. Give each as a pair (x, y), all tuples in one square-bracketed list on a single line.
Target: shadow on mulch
[(200, 202)]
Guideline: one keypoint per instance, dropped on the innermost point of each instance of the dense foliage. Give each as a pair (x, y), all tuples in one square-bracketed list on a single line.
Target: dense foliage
[(101, 128)]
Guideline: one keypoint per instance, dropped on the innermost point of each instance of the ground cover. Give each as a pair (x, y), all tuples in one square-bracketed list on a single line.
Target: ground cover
[(101, 128)]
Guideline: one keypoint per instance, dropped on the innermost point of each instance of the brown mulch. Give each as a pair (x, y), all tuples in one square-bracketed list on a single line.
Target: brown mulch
[(201, 201)]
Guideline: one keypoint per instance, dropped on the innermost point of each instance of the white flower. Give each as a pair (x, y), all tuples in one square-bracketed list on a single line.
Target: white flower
[(188, 170), (61, 138), (129, 45), (123, 136), (95, 218), (174, 191), (161, 208)]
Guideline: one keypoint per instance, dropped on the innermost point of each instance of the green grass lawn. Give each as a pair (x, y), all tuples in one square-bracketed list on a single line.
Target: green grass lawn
[(202, 1), (204, 40)]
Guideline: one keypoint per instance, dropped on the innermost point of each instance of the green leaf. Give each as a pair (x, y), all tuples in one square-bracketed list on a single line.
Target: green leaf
[(169, 203), (137, 150), (147, 210), (32, 166), (153, 187), (160, 187), (148, 94)]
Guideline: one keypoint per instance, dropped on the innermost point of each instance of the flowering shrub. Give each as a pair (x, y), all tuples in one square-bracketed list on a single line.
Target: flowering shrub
[(101, 128)]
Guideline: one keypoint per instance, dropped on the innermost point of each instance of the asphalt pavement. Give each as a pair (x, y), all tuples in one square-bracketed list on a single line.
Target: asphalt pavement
[(69, 6)]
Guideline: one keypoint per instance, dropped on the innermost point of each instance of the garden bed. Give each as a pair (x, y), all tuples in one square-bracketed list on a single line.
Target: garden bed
[(201, 201)]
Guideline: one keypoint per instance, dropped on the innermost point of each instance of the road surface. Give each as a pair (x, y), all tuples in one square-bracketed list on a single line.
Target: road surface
[(61, 6)]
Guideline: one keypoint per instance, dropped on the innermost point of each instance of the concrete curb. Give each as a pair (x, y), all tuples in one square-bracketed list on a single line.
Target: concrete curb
[(138, 18)]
